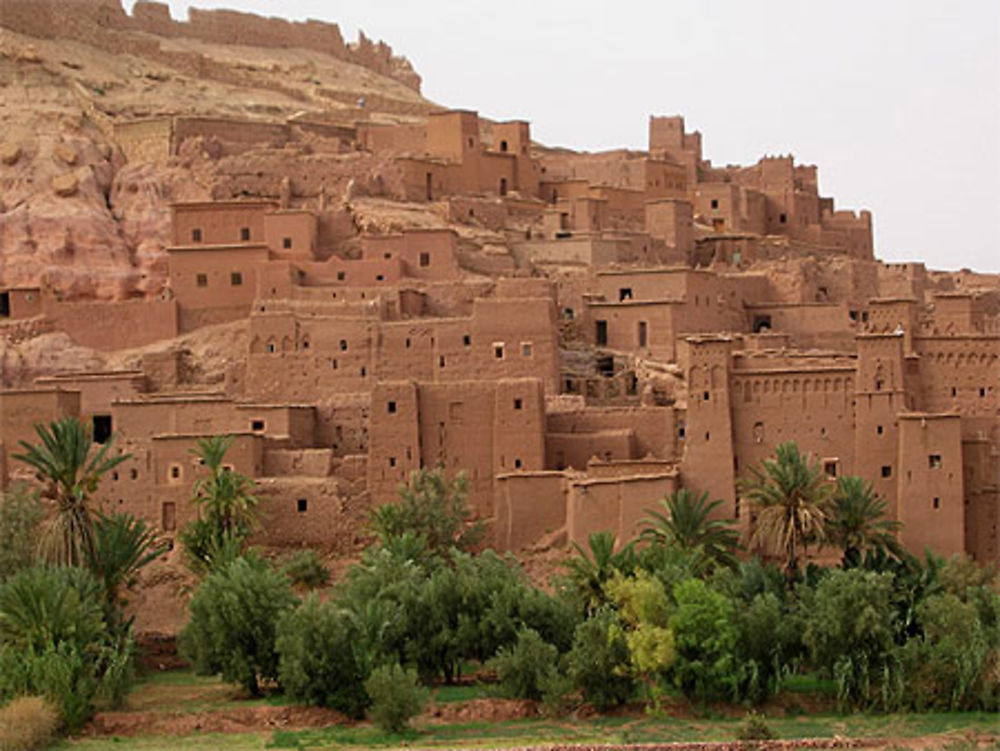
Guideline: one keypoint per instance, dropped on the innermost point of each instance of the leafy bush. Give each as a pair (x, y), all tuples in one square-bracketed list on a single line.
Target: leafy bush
[(949, 667), (849, 628), (234, 615), (396, 697), (767, 643), (599, 660), (54, 643), (431, 506), (28, 723), (305, 569), (435, 612), (21, 516), (645, 609), (322, 659), (705, 637), (524, 670), (754, 728)]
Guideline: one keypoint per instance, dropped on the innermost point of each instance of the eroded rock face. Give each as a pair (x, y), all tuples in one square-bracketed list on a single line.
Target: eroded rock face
[(78, 218)]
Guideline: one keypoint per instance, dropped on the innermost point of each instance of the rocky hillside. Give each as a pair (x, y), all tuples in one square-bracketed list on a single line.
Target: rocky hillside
[(73, 212)]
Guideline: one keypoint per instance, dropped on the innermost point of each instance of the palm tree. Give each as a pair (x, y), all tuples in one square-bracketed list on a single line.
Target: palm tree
[(227, 509), (857, 521), (122, 546), (224, 497), (70, 474), (589, 570), (686, 523), (789, 495)]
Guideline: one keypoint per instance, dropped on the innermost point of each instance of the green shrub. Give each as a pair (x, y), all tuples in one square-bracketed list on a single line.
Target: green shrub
[(754, 728), (705, 637), (305, 569), (396, 697), (21, 516), (431, 506), (54, 643), (322, 658), (849, 628), (599, 660), (234, 615), (948, 667), (28, 723), (47, 605), (523, 669), (768, 641)]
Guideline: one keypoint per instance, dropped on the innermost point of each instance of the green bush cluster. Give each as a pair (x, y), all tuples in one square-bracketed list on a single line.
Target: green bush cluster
[(623, 622)]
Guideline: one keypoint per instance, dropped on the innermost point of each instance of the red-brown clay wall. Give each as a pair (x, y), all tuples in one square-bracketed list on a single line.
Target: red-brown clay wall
[(931, 499)]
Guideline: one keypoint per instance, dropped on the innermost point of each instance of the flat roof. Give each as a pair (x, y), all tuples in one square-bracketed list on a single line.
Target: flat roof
[(217, 247)]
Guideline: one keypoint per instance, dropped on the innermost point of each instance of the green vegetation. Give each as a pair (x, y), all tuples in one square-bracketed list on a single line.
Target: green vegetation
[(64, 641), (227, 509), (602, 730), (396, 697), (233, 626), (672, 621), (305, 570), (433, 507), (70, 472), (21, 516), (322, 661)]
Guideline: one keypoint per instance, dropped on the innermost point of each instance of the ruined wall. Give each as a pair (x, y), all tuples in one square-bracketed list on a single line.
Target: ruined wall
[(101, 23), (115, 325)]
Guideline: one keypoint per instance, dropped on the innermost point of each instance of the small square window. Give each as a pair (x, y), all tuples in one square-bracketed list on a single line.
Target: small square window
[(886, 470), (715, 203), (783, 218), (380, 277), (441, 361), (467, 340), (425, 259), (937, 503), (518, 404), (708, 435), (706, 396), (341, 276), (302, 505), (498, 351), (526, 349), (175, 472), (245, 234), (343, 345), (392, 461), (954, 391), (517, 464), (391, 407), (236, 279), (387, 256), (201, 280), (196, 235), (982, 392), (831, 469), (257, 425), (934, 461), (879, 430), (286, 243)]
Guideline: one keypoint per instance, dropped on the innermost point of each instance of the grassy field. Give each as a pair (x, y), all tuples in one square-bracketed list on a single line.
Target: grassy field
[(182, 692)]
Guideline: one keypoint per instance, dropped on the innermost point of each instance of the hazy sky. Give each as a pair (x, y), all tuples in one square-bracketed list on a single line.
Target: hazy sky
[(897, 101)]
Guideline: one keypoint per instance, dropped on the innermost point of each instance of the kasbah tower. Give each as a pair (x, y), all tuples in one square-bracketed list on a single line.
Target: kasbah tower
[(297, 249)]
